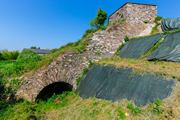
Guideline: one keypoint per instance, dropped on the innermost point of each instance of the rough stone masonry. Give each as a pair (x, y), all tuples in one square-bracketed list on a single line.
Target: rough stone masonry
[(130, 20)]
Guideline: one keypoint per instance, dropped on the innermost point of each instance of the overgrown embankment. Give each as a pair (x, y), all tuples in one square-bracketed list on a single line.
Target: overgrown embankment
[(70, 106), (27, 62)]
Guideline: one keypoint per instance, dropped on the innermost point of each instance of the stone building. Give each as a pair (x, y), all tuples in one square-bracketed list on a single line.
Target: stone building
[(135, 12)]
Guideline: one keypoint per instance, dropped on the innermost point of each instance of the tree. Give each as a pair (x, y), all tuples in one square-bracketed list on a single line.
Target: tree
[(1, 56), (34, 47), (99, 20)]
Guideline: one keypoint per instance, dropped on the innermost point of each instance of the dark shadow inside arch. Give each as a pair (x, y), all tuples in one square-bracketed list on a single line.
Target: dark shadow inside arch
[(54, 88)]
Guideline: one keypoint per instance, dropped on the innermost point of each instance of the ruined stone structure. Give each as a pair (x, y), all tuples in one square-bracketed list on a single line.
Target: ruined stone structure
[(135, 12), (130, 20), (66, 69)]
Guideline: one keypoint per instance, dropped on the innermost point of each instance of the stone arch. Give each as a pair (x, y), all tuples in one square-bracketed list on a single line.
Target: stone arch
[(54, 88), (66, 68)]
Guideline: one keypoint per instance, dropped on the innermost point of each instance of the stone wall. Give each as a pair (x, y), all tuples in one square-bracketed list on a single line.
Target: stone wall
[(134, 13), (66, 68)]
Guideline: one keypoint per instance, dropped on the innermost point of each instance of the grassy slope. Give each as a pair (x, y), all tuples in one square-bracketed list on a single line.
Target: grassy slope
[(70, 106)]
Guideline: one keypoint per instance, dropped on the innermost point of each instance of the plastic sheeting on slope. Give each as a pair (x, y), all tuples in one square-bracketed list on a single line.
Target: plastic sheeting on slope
[(169, 50), (137, 47), (110, 83), (170, 24)]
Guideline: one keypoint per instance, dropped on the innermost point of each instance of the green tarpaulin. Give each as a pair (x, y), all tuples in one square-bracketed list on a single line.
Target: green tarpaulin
[(110, 83), (137, 47), (169, 50), (170, 24)]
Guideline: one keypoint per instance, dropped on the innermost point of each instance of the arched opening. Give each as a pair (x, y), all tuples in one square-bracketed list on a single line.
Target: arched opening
[(54, 88)]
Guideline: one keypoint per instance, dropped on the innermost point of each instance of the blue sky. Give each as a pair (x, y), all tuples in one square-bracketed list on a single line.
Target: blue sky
[(53, 23)]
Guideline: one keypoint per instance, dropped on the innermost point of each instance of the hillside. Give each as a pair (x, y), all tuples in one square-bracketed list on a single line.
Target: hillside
[(128, 70)]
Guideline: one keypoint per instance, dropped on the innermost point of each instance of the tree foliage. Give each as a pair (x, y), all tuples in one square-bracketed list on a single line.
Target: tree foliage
[(8, 55), (99, 20)]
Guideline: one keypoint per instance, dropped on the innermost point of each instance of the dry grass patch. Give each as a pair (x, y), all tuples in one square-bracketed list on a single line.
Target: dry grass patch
[(96, 109), (169, 69)]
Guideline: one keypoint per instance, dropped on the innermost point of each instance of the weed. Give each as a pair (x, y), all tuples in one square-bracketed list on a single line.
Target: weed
[(134, 109), (157, 106), (121, 114)]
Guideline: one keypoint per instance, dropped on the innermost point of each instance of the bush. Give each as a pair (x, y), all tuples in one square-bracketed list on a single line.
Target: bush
[(9, 55), (158, 18), (99, 20), (28, 56), (27, 60)]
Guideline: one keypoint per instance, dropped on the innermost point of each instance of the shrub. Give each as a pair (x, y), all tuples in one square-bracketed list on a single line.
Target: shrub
[(9, 55), (28, 55), (99, 20), (1, 57), (158, 18), (126, 39), (27, 60)]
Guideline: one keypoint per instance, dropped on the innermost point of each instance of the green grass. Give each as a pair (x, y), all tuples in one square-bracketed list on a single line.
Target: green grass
[(22, 110), (134, 109)]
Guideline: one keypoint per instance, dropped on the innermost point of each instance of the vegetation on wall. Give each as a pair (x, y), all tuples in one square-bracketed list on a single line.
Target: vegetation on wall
[(157, 24)]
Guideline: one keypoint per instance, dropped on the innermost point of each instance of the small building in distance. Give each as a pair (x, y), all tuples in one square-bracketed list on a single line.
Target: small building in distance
[(135, 12), (39, 50)]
